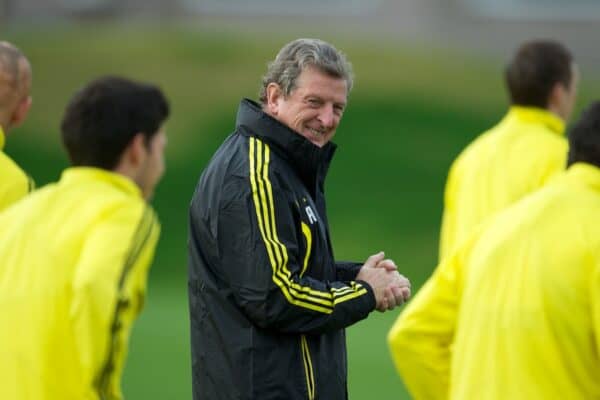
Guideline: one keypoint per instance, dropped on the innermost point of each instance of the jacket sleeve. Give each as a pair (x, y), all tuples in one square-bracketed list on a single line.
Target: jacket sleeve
[(595, 303), (15, 185), (347, 270), (108, 291), (448, 231), (421, 337), (258, 239)]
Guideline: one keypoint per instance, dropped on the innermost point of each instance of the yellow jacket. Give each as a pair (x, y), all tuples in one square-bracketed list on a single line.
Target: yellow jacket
[(514, 158), (74, 260), (14, 183), (514, 313)]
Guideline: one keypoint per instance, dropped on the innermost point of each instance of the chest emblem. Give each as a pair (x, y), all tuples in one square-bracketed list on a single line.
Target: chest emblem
[(312, 217)]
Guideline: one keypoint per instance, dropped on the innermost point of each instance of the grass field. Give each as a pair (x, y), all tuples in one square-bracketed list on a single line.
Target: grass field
[(410, 114)]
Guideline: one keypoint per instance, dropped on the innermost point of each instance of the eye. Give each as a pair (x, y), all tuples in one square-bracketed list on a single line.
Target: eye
[(314, 102), (338, 109)]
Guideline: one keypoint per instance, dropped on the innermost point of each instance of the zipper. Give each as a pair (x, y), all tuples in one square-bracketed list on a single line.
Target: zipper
[(308, 369)]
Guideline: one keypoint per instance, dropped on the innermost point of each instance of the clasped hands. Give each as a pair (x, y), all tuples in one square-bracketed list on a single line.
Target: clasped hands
[(390, 288)]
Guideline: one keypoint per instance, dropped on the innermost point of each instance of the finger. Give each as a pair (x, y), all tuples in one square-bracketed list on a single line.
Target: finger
[(383, 305), (390, 296), (402, 281), (390, 299), (398, 295), (392, 304), (388, 264), (383, 299), (388, 293), (374, 259), (405, 293)]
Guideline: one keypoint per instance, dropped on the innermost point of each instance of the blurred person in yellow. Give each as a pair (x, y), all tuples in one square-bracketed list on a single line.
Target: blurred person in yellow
[(514, 312), (524, 151), (75, 254), (15, 101)]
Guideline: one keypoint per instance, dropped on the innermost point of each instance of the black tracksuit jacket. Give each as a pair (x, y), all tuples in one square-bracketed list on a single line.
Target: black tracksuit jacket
[(268, 302)]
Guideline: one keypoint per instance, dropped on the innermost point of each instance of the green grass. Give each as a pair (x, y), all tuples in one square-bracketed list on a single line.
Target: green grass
[(411, 112)]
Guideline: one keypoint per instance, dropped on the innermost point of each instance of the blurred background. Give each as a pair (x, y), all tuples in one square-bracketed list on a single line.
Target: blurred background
[(428, 81)]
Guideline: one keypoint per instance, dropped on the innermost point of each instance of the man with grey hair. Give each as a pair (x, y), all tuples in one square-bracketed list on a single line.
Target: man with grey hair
[(15, 101), (268, 301)]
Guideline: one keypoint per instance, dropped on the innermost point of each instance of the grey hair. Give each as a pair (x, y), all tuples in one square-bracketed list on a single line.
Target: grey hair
[(299, 54), (9, 62), (12, 73)]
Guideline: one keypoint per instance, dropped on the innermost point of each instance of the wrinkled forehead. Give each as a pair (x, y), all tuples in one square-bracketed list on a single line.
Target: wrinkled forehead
[(313, 79)]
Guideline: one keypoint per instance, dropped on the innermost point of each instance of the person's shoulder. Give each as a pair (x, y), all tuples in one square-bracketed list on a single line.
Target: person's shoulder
[(233, 150), (10, 170), (241, 156), (475, 150), (28, 208), (551, 138), (131, 211), (543, 145), (106, 197)]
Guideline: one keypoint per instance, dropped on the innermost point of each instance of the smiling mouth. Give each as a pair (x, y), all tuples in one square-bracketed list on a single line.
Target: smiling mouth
[(317, 132)]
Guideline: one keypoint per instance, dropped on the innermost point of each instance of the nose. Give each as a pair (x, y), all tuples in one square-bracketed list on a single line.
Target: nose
[(327, 116)]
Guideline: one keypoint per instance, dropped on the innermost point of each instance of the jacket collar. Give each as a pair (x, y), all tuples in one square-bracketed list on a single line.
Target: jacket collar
[(1, 138), (585, 173), (537, 116), (76, 175), (308, 159)]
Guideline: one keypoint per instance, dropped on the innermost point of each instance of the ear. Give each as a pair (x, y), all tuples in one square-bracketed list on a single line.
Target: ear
[(20, 112), (274, 97), (557, 99), (136, 152), (557, 94)]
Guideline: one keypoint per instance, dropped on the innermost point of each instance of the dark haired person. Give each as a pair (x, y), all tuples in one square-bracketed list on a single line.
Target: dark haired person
[(514, 312), (268, 300), (75, 254), (520, 154), (15, 101)]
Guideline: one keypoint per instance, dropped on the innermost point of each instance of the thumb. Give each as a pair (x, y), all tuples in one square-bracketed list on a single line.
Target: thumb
[(374, 259)]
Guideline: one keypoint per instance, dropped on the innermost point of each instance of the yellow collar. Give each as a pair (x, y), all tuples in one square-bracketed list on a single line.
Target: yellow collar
[(1, 138), (587, 173), (538, 116), (79, 174)]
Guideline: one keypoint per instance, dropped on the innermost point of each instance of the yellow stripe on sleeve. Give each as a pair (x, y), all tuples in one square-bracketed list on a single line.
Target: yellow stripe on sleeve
[(262, 195)]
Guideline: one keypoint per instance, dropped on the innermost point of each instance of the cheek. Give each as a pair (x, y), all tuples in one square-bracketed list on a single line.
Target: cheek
[(297, 121), (159, 160), (306, 115), (160, 166)]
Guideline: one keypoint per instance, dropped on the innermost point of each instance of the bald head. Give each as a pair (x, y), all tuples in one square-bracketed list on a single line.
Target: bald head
[(15, 85)]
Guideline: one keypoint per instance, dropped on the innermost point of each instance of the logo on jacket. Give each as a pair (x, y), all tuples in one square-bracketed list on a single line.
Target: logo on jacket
[(312, 218)]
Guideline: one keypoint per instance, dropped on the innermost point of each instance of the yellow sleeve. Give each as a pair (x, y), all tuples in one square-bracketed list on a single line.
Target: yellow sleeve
[(15, 184), (448, 229), (108, 291), (595, 305), (421, 338)]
